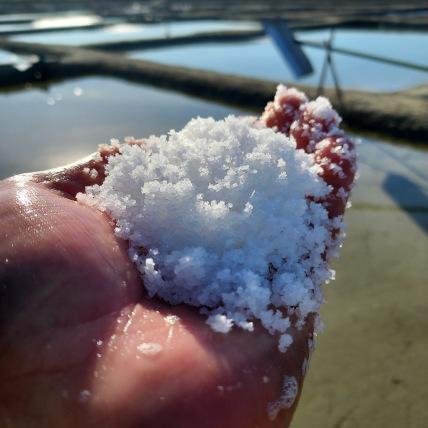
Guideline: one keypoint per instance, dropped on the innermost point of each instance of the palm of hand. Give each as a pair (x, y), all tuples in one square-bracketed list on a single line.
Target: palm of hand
[(80, 344)]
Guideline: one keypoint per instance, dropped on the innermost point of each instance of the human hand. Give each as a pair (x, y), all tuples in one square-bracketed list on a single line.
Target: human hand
[(81, 344)]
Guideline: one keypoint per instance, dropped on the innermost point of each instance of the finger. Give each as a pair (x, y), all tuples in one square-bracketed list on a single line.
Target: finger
[(317, 131), (73, 178), (284, 110), (314, 126), (177, 369)]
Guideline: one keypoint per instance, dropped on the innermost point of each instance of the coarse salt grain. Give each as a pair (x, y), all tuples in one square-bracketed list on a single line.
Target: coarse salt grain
[(150, 348), (290, 389), (171, 319)]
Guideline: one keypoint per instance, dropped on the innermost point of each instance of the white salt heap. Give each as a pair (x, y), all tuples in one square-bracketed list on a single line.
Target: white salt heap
[(217, 216)]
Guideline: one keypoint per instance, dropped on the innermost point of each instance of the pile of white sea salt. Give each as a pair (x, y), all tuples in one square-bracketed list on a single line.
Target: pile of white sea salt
[(218, 216)]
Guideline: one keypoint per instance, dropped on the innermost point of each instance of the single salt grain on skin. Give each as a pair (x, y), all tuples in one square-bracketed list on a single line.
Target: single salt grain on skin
[(284, 342), (84, 396), (311, 346), (228, 215), (220, 323), (171, 319), (93, 173), (305, 366), (289, 392), (150, 348)]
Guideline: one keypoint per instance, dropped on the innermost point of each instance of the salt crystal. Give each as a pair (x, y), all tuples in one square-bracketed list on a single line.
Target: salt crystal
[(289, 392), (285, 341), (220, 323), (222, 211), (283, 90), (171, 319), (305, 366), (311, 346), (322, 109), (84, 395), (150, 348)]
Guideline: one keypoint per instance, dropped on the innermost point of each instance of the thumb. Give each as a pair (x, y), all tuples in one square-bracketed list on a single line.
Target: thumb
[(73, 178)]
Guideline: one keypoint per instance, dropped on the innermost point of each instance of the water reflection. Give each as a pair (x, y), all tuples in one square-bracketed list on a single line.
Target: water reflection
[(259, 58), (20, 62), (125, 31), (6, 57), (66, 21), (47, 128), (50, 23)]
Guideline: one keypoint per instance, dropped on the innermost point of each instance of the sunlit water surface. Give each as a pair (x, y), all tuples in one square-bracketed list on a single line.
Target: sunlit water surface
[(44, 128), (125, 31), (261, 59)]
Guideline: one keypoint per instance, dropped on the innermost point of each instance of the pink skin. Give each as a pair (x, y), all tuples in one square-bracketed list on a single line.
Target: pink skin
[(73, 315)]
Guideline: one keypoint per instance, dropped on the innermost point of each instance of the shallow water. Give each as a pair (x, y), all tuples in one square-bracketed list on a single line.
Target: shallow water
[(124, 31), (368, 368), (65, 120), (21, 62), (6, 57), (261, 59), (44, 128), (51, 22)]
